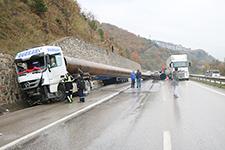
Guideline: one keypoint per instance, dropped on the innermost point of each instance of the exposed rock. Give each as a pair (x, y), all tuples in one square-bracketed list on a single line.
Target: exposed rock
[(9, 91), (79, 49)]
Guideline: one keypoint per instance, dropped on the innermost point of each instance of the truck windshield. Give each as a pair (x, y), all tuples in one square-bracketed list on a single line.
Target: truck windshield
[(32, 65), (180, 64)]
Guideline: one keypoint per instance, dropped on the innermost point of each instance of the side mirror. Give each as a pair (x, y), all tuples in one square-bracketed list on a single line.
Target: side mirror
[(49, 68), (48, 63), (65, 61), (171, 65)]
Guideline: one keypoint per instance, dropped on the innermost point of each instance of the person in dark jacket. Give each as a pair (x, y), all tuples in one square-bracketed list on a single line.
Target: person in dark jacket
[(132, 77), (138, 77), (81, 87), (68, 80)]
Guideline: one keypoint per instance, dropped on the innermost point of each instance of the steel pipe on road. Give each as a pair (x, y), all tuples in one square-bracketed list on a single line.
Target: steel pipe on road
[(93, 68)]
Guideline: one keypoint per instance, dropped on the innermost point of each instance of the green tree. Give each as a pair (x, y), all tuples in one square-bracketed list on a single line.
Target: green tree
[(91, 20), (93, 25), (101, 34), (40, 6)]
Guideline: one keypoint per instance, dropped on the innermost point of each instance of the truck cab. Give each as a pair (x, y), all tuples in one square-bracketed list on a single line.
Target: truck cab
[(40, 71), (181, 62)]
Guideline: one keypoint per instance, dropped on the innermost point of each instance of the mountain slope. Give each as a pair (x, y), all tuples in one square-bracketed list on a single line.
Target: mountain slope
[(126, 39), (28, 23), (151, 55)]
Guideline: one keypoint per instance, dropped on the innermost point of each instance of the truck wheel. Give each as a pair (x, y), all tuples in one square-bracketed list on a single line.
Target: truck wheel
[(61, 93), (33, 101), (27, 100)]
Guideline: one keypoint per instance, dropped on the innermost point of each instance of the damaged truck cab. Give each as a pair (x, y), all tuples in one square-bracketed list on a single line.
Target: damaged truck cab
[(40, 71)]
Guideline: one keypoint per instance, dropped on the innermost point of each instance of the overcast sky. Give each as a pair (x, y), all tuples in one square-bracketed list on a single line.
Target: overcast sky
[(192, 23)]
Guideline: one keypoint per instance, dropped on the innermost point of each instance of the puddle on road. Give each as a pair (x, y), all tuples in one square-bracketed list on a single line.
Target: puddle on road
[(147, 87)]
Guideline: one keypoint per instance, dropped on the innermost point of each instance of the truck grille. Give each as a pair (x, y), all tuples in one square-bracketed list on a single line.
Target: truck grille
[(30, 84), (181, 75)]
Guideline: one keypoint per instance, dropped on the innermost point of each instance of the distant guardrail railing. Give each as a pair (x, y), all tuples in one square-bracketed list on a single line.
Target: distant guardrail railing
[(214, 80)]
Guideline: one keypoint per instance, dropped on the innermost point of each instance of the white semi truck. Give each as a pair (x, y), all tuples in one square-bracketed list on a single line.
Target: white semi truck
[(181, 62)]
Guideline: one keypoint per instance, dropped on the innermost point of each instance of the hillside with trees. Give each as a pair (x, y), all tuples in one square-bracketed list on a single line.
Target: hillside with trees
[(29, 23)]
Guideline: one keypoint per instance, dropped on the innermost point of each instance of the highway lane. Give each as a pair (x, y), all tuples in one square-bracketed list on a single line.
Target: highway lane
[(19, 124), (150, 118)]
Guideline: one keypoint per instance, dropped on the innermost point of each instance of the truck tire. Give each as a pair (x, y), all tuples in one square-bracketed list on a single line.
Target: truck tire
[(61, 93), (28, 101)]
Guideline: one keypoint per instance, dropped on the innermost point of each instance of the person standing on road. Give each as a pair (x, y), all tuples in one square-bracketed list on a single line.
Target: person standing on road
[(132, 77), (68, 80), (175, 83), (138, 77), (81, 87)]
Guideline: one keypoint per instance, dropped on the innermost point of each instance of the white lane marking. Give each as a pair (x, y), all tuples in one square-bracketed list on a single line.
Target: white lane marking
[(75, 114), (209, 89), (167, 141)]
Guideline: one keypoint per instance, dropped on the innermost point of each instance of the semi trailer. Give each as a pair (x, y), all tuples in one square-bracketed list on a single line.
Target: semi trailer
[(40, 71)]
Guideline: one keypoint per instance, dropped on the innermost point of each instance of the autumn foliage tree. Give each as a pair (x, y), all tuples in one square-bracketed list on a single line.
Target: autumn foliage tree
[(135, 56)]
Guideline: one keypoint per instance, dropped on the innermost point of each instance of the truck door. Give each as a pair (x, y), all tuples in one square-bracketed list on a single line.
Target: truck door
[(57, 69)]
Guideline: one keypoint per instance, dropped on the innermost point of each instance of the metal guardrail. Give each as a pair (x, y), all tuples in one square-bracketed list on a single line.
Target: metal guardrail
[(214, 80)]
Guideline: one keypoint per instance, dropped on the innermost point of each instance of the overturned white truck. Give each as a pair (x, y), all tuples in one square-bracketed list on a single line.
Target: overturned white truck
[(40, 72)]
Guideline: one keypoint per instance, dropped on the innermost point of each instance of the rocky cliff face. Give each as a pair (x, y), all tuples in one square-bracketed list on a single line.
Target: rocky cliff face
[(73, 47), (9, 91)]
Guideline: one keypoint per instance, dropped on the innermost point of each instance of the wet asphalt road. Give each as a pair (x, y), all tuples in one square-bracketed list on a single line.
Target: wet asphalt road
[(146, 119)]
